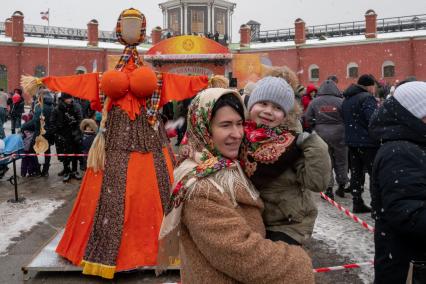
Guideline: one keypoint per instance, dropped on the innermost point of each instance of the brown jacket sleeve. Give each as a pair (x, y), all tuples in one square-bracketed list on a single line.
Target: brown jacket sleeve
[(231, 246)]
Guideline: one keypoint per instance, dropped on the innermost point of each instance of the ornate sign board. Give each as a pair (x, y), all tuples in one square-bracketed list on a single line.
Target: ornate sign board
[(188, 48)]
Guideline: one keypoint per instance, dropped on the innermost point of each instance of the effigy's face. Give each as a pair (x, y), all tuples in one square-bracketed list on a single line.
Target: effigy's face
[(131, 29)]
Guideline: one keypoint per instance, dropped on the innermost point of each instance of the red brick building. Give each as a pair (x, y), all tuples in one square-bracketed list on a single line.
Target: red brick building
[(389, 56)]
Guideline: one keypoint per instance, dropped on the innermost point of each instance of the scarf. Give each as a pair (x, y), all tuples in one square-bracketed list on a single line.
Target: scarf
[(263, 144), (201, 160)]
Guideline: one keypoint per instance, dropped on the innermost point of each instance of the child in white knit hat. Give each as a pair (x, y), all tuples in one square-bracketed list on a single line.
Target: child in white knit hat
[(284, 164)]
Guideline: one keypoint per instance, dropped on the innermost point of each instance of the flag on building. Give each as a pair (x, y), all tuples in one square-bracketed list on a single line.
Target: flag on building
[(45, 15)]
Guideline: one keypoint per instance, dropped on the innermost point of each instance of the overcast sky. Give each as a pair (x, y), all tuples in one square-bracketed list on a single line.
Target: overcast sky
[(272, 14)]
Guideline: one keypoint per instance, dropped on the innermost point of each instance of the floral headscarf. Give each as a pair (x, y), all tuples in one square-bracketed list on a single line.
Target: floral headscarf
[(201, 160)]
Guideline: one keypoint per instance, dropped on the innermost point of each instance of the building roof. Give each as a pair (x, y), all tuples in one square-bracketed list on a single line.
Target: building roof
[(357, 39), (66, 43)]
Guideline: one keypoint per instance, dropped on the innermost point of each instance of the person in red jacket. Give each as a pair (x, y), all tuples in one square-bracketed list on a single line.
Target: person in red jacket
[(311, 91)]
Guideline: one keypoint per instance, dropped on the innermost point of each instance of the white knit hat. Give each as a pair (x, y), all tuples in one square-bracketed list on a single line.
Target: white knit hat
[(412, 96), (273, 89)]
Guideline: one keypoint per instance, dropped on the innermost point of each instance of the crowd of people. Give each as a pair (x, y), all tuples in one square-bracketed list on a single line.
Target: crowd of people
[(250, 161), (377, 129), (69, 124)]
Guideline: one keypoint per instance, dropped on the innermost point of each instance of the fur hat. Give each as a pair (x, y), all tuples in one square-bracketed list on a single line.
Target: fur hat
[(219, 81), (249, 87), (273, 89), (412, 96), (65, 96), (88, 123), (300, 90), (366, 80)]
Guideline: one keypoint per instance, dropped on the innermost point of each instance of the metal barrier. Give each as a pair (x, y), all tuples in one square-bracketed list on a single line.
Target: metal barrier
[(384, 25)]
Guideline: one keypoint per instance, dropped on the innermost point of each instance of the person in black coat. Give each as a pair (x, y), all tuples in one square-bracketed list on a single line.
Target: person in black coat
[(399, 177), (65, 124), (358, 106), (46, 110)]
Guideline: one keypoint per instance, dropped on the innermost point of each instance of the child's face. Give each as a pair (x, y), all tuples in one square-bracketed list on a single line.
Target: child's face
[(267, 113)]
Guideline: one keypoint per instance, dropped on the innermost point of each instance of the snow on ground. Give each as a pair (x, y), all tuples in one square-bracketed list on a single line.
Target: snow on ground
[(348, 238), (17, 218)]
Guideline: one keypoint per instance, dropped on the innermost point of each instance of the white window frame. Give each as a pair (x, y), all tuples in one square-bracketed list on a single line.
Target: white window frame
[(349, 66), (82, 68), (311, 67), (385, 64)]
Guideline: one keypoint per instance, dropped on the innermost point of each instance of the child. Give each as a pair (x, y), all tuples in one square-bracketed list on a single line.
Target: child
[(284, 164), (89, 129), (29, 164)]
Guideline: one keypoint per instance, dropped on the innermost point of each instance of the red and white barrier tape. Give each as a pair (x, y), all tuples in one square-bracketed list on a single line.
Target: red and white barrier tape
[(348, 213), (45, 155), (341, 267)]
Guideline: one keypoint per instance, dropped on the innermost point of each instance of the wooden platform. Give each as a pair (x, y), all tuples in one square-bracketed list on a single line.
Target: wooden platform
[(46, 259)]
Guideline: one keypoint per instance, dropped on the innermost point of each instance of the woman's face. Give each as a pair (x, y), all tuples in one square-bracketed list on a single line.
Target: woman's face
[(227, 132)]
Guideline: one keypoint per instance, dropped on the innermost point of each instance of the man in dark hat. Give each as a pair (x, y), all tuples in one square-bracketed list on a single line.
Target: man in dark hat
[(358, 106), (333, 78)]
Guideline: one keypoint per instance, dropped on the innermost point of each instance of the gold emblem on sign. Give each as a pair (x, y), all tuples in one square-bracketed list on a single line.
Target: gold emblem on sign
[(188, 44)]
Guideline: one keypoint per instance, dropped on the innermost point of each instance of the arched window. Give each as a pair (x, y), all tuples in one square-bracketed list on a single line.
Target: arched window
[(313, 73), (80, 70), (388, 69), (3, 77), (352, 70), (40, 71)]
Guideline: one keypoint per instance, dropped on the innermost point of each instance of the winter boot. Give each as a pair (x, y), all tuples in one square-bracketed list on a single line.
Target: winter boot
[(66, 177), (360, 207), (44, 171), (347, 189), (77, 175), (329, 192), (341, 191), (67, 174)]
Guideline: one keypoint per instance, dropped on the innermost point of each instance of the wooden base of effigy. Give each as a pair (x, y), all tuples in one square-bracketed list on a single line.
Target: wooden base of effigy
[(47, 260)]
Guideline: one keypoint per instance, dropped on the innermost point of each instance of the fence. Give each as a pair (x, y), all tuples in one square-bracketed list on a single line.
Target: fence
[(384, 25)]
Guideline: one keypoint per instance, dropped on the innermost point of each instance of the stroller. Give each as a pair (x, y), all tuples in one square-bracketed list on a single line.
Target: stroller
[(11, 145)]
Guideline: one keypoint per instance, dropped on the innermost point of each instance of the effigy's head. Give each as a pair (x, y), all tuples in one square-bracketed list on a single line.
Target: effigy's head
[(131, 27)]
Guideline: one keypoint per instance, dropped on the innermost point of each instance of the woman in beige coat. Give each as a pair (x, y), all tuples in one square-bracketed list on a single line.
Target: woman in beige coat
[(215, 214)]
